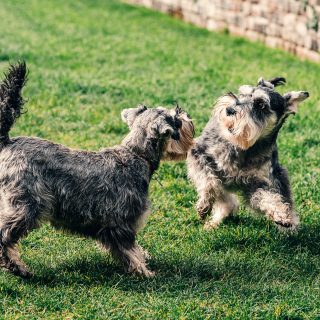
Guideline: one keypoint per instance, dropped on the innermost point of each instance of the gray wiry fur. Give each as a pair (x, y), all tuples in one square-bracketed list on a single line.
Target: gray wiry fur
[(102, 195), (237, 151)]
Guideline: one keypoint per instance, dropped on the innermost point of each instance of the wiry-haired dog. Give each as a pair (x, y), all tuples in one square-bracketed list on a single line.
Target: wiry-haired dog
[(237, 151), (102, 195)]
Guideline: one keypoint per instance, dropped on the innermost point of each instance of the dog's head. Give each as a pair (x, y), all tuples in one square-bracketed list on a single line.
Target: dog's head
[(172, 127), (255, 112)]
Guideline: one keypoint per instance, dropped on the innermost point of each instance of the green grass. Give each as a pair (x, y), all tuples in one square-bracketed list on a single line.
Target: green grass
[(90, 59)]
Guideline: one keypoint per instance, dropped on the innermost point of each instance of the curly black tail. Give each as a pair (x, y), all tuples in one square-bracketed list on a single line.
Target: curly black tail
[(11, 102)]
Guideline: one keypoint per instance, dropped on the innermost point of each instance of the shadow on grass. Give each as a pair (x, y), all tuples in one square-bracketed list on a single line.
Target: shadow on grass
[(174, 273)]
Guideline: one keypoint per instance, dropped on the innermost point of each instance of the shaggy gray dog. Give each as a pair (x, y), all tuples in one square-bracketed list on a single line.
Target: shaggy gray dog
[(237, 151), (102, 195)]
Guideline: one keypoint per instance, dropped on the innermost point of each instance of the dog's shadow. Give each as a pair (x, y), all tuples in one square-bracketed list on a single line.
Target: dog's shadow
[(99, 269)]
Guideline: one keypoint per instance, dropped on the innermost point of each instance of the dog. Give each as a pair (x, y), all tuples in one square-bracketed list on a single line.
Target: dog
[(101, 195), (237, 151)]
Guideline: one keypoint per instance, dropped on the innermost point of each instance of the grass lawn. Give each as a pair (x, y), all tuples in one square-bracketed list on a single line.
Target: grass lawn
[(90, 59)]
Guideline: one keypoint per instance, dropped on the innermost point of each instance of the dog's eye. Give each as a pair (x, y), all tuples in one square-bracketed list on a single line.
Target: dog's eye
[(230, 111)]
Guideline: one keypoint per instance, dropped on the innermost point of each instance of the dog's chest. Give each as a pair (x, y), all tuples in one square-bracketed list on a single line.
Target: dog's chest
[(235, 167)]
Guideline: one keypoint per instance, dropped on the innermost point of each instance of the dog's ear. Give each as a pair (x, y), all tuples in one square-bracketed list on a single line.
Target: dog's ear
[(293, 99), (178, 110), (272, 83), (183, 121), (129, 115), (279, 81), (265, 83)]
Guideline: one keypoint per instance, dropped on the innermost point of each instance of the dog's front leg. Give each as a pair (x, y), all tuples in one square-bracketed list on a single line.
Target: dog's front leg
[(273, 205)]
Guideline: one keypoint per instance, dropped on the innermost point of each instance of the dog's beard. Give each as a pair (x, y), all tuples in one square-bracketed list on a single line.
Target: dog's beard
[(177, 150), (240, 129)]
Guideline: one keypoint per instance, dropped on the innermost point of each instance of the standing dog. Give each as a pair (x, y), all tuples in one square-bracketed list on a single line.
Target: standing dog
[(102, 195), (237, 151)]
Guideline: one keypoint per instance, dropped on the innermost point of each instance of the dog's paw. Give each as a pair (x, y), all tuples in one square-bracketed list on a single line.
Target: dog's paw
[(288, 223), (24, 273), (141, 270), (148, 273), (210, 225), (287, 226), (203, 211), (15, 268), (20, 271)]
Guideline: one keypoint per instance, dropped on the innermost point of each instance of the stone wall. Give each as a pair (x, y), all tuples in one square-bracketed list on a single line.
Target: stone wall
[(293, 25)]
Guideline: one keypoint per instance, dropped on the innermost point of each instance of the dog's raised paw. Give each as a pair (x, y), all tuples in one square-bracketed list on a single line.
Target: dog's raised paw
[(286, 227), (283, 224)]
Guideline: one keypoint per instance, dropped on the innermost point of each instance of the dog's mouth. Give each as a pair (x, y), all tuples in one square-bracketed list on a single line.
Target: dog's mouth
[(242, 138)]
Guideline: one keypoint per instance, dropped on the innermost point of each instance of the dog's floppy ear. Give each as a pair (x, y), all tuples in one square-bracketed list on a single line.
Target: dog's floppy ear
[(129, 115), (293, 99), (279, 81)]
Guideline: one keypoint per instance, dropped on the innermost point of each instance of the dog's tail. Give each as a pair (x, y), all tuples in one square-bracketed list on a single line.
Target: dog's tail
[(11, 101)]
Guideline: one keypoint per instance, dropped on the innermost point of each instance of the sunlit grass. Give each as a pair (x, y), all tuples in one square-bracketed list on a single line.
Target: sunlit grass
[(90, 59)]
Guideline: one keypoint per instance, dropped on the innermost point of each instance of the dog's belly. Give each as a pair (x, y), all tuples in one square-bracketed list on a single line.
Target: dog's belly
[(89, 211), (76, 227), (94, 223)]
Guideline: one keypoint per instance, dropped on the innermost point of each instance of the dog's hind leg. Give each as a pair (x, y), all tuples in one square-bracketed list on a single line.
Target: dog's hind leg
[(10, 260), (226, 205), (123, 247), (15, 223)]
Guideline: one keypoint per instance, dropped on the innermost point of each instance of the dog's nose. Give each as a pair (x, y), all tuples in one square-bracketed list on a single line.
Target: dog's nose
[(306, 94), (230, 111)]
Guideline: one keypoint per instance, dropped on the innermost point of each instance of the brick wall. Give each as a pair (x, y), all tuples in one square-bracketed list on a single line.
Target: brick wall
[(293, 25)]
